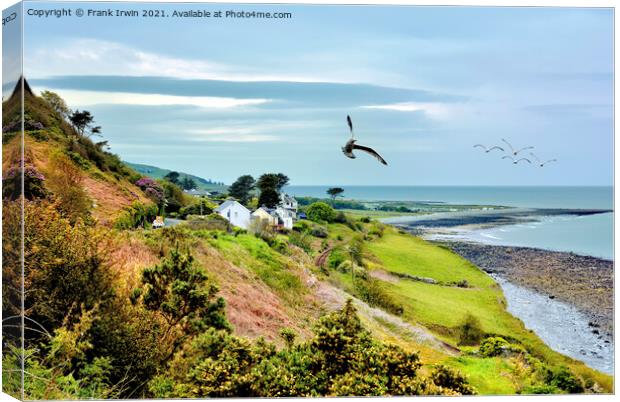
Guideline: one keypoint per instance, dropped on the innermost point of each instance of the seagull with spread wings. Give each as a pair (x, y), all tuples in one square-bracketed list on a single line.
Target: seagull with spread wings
[(540, 162), (351, 145), (487, 150), (514, 151), (516, 161)]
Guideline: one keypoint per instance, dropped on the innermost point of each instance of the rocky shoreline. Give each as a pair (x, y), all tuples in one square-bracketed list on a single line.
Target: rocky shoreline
[(582, 281)]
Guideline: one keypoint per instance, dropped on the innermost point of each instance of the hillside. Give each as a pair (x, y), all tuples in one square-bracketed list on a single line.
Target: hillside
[(53, 148), (159, 173), (342, 305)]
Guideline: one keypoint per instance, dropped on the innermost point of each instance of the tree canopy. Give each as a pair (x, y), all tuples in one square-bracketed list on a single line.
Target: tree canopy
[(172, 177), (335, 192), (242, 188)]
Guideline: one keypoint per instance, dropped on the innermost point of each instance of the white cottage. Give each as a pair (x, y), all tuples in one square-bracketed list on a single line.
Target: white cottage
[(235, 213)]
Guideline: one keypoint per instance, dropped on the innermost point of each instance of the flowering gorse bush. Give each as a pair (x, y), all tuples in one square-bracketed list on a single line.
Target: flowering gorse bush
[(33, 183), (151, 188), (28, 125)]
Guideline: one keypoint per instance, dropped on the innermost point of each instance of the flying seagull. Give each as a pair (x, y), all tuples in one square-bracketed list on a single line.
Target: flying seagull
[(350, 146), (487, 150), (515, 152), (541, 163), (515, 161)]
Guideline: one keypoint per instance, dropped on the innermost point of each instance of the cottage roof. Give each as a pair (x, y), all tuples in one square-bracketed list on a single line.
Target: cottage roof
[(226, 204)]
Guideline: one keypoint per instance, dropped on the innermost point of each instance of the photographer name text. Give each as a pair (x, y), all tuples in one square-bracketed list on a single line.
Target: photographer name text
[(152, 13)]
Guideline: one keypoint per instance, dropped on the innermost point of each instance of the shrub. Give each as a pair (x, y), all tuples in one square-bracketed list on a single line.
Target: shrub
[(300, 240), (371, 291), (210, 222), (182, 294), (301, 226), (470, 331), (66, 183), (445, 377), (365, 219), (33, 183), (336, 257), (340, 217), (319, 231), (202, 207), (136, 215), (73, 255), (321, 212), (494, 346), (540, 389), (152, 189), (564, 379)]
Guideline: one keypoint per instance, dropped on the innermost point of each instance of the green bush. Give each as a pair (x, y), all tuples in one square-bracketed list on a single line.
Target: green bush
[(494, 346), (470, 331), (340, 217), (300, 240), (336, 257), (210, 222), (540, 389), (372, 292), (564, 379), (319, 231), (321, 212), (448, 378), (136, 215)]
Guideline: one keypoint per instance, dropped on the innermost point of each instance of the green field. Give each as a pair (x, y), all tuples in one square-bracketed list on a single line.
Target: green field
[(443, 308)]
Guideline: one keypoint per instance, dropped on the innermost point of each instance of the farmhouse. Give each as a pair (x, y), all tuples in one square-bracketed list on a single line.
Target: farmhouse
[(235, 213), (266, 215), (283, 216)]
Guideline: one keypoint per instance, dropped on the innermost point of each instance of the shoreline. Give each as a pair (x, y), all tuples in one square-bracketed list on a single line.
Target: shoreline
[(580, 281)]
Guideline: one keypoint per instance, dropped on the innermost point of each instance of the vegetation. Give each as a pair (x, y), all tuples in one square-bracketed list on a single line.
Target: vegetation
[(334, 192), (202, 309), (241, 189), (155, 172), (320, 212), (270, 185)]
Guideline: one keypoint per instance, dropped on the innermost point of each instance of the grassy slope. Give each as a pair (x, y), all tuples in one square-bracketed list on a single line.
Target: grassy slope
[(158, 173), (110, 192), (265, 291), (442, 308)]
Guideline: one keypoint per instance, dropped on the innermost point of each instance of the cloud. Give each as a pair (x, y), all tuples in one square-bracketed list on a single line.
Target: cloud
[(433, 110), (93, 56), (89, 98), (296, 94)]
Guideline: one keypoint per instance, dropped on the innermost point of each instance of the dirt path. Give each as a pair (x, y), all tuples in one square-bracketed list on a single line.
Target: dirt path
[(334, 298)]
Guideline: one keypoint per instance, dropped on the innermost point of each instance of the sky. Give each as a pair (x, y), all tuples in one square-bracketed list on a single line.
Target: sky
[(224, 97)]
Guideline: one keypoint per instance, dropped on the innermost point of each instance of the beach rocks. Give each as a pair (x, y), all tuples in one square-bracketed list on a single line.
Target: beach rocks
[(582, 281)]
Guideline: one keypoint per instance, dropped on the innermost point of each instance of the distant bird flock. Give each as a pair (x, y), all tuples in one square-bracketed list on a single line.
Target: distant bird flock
[(512, 154)]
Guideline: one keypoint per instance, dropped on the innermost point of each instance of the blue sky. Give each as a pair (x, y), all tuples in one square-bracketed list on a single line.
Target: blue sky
[(220, 97)]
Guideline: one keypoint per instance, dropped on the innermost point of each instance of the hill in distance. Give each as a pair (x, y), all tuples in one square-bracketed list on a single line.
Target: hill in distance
[(159, 173)]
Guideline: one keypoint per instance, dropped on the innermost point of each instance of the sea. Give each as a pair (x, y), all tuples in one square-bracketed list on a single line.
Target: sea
[(586, 235)]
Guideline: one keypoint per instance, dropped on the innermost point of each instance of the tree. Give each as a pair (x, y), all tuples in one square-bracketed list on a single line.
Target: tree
[(269, 197), (183, 296), (242, 187), (272, 180), (320, 212), (172, 177), (83, 123), (57, 103), (188, 183), (335, 192)]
